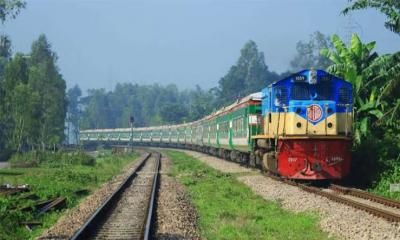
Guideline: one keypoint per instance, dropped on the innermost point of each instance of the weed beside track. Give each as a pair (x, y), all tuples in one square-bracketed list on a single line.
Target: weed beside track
[(230, 210), (49, 181)]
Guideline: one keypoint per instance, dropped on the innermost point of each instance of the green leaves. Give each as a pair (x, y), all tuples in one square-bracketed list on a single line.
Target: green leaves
[(375, 80), (33, 102), (247, 76), (356, 46), (308, 53), (391, 8), (10, 8)]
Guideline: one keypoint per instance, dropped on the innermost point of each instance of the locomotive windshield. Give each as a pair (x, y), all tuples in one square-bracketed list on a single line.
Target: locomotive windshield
[(305, 91)]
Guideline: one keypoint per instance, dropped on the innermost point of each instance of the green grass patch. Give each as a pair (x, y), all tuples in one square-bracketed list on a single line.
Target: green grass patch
[(55, 175), (230, 210)]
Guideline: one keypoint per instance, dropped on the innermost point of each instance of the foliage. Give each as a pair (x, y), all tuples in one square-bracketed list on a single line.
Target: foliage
[(57, 174), (150, 105), (391, 8), (48, 82), (230, 210), (10, 8), (374, 79), (50, 159), (32, 99), (248, 75), (73, 112), (155, 105), (308, 53)]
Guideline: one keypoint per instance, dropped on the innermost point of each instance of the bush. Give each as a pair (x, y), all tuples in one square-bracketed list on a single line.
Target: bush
[(376, 161), (50, 159)]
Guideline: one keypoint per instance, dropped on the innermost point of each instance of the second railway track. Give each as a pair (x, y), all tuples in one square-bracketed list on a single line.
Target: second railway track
[(373, 204), (127, 214)]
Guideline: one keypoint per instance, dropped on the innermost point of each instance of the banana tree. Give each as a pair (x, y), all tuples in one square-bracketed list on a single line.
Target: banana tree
[(374, 79)]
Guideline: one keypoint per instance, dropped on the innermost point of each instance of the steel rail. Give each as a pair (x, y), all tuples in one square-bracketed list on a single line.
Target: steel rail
[(152, 203), (340, 199), (362, 206), (89, 227), (366, 195)]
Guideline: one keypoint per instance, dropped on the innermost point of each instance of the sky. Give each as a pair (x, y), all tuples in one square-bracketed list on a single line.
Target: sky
[(185, 42)]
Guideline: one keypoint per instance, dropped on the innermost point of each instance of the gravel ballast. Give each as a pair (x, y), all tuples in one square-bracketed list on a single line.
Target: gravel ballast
[(176, 218), (74, 218), (337, 219), (221, 165)]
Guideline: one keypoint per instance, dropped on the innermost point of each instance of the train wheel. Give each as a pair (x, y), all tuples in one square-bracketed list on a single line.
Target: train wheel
[(269, 162), (245, 158), (252, 160)]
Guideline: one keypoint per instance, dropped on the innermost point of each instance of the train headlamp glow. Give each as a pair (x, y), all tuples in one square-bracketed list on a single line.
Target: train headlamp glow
[(312, 79)]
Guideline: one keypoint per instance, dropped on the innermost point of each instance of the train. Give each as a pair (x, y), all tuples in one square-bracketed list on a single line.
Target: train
[(299, 128)]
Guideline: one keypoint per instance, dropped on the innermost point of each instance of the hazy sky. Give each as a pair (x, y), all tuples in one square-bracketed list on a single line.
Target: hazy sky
[(186, 42)]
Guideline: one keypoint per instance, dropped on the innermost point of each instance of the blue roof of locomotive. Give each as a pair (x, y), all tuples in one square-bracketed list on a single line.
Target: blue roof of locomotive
[(303, 76)]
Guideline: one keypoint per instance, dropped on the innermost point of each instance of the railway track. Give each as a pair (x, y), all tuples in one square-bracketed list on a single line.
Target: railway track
[(127, 213), (379, 206), (376, 205)]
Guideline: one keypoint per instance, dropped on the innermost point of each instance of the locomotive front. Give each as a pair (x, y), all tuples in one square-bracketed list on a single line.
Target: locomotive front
[(307, 128)]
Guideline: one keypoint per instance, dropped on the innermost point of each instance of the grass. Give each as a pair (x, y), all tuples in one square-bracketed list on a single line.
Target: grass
[(230, 210), (59, 176)]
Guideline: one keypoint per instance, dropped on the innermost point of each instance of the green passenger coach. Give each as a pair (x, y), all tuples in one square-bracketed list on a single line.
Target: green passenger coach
[(226, 133)]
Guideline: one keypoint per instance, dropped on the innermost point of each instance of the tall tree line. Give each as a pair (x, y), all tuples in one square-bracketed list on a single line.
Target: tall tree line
[(155, 104), (248, 75), (32, 99), (149, 104)]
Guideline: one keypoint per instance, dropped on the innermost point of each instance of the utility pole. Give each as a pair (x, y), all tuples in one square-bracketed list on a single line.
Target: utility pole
[(131, 121)]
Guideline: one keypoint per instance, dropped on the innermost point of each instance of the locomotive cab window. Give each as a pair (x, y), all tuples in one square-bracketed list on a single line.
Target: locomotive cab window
[(281, 96), (324, 91), (300, 91), (344, 95), (303, 91)]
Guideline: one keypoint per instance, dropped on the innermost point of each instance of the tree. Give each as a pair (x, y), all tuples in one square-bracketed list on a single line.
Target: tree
[(97, 113), (10, 8), (308, 53), (391, 8), (24, 102), (5, 52), (73, 113), (20, 107), (45, 78), (373, 78), (200, 103), (249, 75), (173, 113)]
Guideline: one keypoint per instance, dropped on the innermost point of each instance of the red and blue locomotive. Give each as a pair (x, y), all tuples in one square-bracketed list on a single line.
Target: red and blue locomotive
[(306, 126)]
